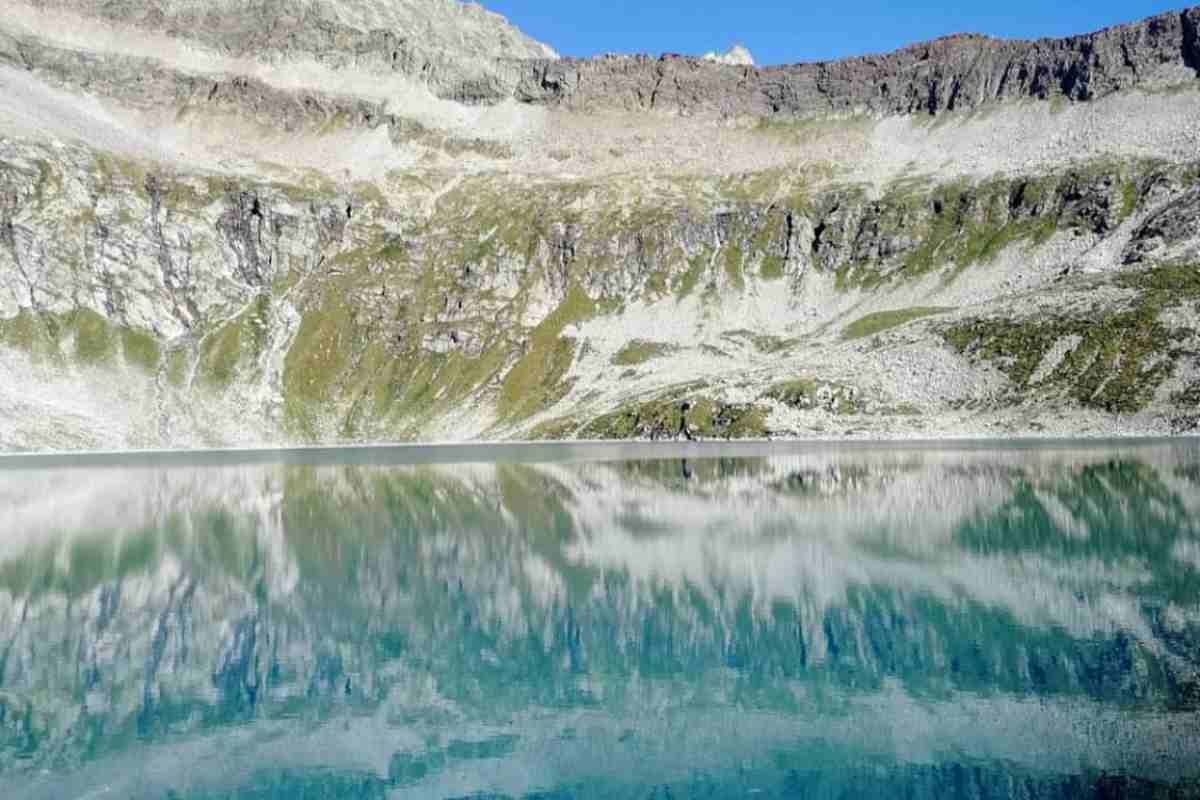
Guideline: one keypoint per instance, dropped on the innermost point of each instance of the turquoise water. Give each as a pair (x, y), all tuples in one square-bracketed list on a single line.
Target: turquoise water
[(691, 622)]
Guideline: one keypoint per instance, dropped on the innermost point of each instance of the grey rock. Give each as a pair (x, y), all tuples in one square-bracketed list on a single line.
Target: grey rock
[(1191, 38), (10, 52), (449, 46), (146, 84), (1172, 233), (960, 72), (954, 73)]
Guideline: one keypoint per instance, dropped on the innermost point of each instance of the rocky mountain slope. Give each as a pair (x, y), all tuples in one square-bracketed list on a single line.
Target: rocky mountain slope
[(397, 219)]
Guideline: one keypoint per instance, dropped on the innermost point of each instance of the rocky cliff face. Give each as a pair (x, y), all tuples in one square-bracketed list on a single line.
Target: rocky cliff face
[(954, 73), (448, 45), (272, 228)]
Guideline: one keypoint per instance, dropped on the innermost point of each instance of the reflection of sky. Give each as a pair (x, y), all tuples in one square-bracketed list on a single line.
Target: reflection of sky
[(530, 548)]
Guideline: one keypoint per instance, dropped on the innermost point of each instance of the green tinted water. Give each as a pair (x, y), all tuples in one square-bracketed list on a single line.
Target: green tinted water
[(566, 623)]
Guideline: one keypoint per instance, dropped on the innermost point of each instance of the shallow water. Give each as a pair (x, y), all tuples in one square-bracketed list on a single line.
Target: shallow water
[(645, 622)]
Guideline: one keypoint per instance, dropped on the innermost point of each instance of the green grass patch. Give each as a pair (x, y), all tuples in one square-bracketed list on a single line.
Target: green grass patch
[(320, 352), (536, 381), (239, 340), (30, 333), (689, 280), (732, 259), (882, 321), (221, 353), (396, 395), (117, 173), (957, 237), (82, 337), (1123, 356), (1167, 284), (334, 123), (96, 340), (664, 419), (141, 349), (918, 228), (639, 352), (554, 429), (179, 364), (772, 268), (1129, 199)]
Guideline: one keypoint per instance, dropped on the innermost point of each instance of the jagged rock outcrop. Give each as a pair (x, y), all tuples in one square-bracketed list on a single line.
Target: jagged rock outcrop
[(955, 73), (1172, 233), (447, 45)]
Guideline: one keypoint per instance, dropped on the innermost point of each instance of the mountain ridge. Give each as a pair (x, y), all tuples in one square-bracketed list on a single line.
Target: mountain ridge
[(950, 73), (1078, 67)]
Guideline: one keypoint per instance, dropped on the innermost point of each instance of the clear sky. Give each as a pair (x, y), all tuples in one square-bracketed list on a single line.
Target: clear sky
[(783, 31)]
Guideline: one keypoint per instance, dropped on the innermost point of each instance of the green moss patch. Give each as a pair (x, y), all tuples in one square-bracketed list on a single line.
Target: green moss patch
[(1166, 285), (1113, 368), (762, 342), (1129, 199), (732, 261)]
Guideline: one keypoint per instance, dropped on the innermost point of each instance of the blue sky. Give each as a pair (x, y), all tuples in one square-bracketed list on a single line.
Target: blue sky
[(777, 31)]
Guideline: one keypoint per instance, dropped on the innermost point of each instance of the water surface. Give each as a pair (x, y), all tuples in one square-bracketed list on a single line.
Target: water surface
[(667, 622)]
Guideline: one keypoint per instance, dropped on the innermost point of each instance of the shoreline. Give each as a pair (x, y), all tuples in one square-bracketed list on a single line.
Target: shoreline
[(532, 452)]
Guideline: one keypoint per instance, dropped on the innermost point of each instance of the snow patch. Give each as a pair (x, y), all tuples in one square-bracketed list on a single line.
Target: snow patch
[(736, 56)]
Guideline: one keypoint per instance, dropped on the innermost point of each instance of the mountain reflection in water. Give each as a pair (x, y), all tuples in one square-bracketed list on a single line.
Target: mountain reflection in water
[(922, 623)]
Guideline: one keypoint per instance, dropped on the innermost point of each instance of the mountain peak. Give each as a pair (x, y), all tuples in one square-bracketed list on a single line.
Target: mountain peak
[(465, 29), (735, 56)]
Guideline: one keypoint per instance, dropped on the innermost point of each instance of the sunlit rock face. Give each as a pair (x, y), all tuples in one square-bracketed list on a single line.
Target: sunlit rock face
[(827, 621)]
